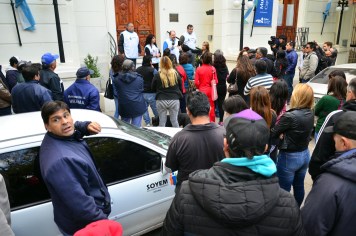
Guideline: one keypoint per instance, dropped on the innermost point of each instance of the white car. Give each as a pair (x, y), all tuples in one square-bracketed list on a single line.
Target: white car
[(129, 159), (319, 83)]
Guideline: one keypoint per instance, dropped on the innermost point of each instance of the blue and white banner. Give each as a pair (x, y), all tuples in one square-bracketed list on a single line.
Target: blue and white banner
[(25, 15), (264, 10)]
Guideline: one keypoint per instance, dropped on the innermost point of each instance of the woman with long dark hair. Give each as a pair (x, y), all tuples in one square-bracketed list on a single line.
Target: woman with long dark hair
[(116, 67), (152, 49), (279, 96), (168, 86), (243, 71), (335, 98), (280, 64), (261, 104), (222, 72)]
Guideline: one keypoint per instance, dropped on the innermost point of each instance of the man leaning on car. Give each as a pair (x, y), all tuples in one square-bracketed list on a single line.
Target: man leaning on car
[(79, 195)]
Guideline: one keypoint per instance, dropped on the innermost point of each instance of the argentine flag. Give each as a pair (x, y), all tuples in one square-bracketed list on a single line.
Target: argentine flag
[(24, 12)]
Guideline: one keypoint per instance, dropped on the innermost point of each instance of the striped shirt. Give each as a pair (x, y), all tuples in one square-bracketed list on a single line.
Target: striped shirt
[(265, 80)]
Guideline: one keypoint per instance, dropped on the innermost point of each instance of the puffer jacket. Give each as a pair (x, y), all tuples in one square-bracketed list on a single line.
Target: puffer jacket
[(309, 66), (5, 95), (129, 87), (296, 125), (232, 200), (329, 208)]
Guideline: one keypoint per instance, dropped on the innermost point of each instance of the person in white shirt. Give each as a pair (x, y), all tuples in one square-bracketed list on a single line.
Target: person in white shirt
[(189, 38), (152, 49), (129, 43), (172, 44)]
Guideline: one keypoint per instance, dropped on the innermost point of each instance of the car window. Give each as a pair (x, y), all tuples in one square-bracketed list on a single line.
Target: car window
[(158, 139), (119, 160), (21, 172), (323, 76)]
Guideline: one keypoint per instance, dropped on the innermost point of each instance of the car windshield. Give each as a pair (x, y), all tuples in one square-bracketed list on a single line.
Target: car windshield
[(323, 76), (151, 136)]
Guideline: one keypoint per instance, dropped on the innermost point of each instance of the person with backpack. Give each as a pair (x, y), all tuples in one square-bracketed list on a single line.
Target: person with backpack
[(310, 63)]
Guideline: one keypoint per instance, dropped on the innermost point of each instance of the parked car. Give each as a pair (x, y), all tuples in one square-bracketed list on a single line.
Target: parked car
[(129, 159), (319, 83)]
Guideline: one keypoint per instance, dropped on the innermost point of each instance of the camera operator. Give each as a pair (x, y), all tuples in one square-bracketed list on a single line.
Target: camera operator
[(173, 44), (277, 43)]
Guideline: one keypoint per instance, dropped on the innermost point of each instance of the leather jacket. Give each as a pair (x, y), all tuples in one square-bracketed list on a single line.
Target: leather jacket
[(296, 125)]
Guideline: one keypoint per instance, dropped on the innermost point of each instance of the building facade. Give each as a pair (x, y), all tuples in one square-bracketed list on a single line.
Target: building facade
[(86, 25)]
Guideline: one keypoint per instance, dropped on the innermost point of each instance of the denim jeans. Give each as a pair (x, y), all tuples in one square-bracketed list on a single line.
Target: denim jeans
[(136, 121), (116, 115), (5, 111), (150, 99), (172, 106), (289, 80), (291, 170)]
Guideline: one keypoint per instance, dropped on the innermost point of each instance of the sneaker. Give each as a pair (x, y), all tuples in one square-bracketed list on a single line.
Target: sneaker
[(148, 125), (221, 123)]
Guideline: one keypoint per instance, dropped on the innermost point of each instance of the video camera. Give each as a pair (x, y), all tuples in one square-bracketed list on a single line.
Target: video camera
[(274, 41)]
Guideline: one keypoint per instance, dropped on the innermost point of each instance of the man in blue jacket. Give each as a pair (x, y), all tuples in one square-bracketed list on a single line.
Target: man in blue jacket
[(79, 195), (330, 206), (292, 58), (82, 94), (30, 96)]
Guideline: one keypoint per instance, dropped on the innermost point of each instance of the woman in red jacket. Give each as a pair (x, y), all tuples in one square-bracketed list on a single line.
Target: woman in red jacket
[(203, 77)]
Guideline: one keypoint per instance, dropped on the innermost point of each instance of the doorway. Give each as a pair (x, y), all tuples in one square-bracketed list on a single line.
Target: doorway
[(287, 18), (140, 13)]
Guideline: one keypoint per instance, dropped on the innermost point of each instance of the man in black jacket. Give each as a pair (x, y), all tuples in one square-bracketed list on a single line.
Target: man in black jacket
[(325, 147), (330, 206), (49, 79), (199, 145), (239, 195), (30, 96)]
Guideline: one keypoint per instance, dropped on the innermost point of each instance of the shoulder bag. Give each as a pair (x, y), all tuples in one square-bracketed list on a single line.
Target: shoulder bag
[(109, 90), (214, 91), (233, 88)]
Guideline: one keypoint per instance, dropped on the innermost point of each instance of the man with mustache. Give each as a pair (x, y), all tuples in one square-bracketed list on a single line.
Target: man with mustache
[(79, 195)]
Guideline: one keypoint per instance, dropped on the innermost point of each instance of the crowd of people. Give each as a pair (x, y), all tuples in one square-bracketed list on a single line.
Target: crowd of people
[(235, 174)]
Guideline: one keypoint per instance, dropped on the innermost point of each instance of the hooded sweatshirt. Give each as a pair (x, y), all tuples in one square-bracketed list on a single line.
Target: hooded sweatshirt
[(129, 86), (229, 199), (330, 206)]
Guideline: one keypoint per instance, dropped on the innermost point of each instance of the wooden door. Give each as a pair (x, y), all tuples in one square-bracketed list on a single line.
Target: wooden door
[(138, 12), (287, 18)]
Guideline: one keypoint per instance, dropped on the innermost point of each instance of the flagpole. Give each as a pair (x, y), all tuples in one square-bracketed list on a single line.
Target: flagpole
[(59, 32), (17, 27), (253, 22)]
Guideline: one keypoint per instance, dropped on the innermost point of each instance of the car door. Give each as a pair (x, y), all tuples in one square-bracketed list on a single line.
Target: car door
[(131, 168), (31, 208)]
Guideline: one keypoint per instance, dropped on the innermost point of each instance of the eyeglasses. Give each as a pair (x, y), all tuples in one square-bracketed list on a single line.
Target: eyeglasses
[(307, 47)]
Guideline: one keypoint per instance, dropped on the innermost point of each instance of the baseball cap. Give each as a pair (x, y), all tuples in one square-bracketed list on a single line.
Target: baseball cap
[(101, 227), (48, 58), (84, 72), (345, 125), (247, 131)]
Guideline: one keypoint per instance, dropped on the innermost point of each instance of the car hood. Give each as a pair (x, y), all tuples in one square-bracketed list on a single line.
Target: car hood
[(319, 89)]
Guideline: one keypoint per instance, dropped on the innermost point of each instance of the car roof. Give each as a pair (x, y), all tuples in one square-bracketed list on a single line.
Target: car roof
[(349, 65), (28, 124)]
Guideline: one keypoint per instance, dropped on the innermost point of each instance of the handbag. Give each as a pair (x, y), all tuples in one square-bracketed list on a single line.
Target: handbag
[(109, 90), (214, 91), (191, 85), (233, 88)]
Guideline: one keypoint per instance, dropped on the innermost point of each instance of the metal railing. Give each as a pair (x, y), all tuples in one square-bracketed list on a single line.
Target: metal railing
[(113, 46)]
